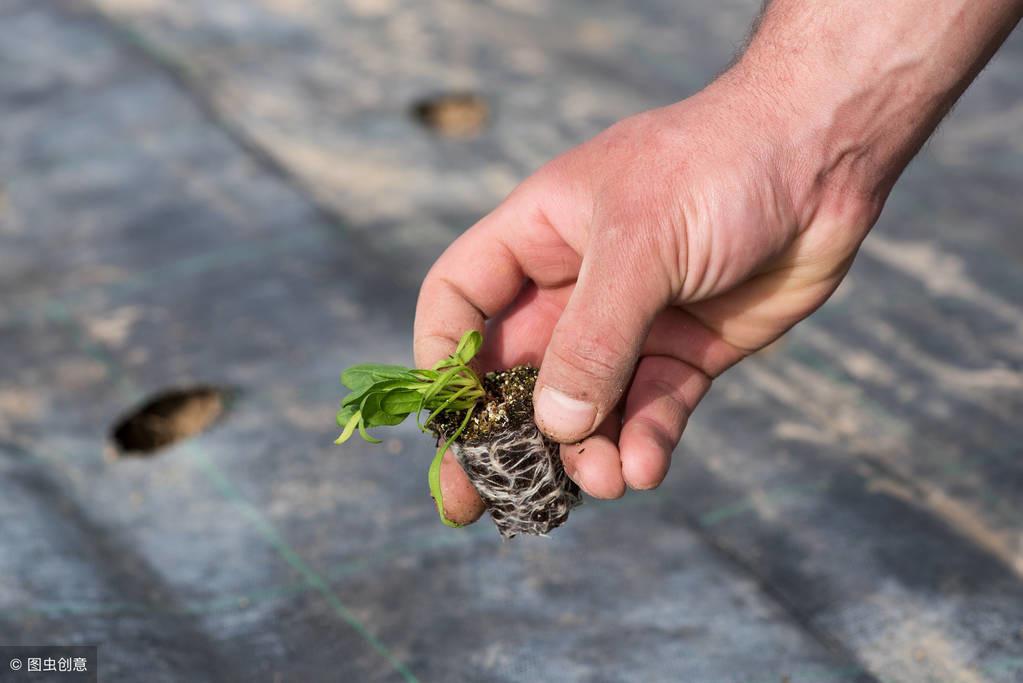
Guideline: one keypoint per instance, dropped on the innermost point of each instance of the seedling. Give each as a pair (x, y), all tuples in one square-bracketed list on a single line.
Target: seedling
[(486, 422)]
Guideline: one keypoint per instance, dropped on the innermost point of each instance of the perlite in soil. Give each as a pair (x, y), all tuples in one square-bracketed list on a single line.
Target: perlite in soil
[(488, 425)]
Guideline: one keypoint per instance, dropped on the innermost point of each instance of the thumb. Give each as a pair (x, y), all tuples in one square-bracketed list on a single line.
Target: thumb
[(596, 343)]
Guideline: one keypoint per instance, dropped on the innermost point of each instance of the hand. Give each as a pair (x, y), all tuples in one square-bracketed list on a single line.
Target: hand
[(642, 264), (636, 268)]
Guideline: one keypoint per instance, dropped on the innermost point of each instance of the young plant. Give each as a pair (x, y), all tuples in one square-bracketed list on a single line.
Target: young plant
[(486, 422), (385, 395)]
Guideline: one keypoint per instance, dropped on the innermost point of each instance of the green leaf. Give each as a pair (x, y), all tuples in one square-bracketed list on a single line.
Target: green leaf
[(364, 435), (353, 421), (433, 478), (359, 377), (401, 402), (438, 385), (385, 395), (374, 415), (345, 414), (468, 346), (356, 397), (447, 404)]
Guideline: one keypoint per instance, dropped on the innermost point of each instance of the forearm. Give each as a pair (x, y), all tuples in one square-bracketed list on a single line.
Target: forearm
[(860, 86)]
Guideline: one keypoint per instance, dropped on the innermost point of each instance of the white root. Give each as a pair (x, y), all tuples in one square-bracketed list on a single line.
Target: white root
[(520, 477)]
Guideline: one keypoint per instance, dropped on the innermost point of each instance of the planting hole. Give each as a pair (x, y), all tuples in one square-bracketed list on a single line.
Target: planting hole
[(168, 418), (453, 115)]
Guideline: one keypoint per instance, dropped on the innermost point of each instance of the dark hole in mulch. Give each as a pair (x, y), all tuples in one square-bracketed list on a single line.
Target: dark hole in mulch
[(454, 114), (168, 417)]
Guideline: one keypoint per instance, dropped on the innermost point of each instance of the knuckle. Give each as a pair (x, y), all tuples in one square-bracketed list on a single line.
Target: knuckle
[(671, 401), (665, 437), (592, 358), (667, 138)]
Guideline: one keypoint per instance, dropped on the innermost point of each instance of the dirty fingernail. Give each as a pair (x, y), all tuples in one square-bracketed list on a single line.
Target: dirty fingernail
[(563, 417)]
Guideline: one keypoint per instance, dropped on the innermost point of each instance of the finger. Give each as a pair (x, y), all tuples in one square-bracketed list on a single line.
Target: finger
[(594, 463), (663, 394), (595, 344), (758, 311), (520, 334), (471, 282), (461, 504), (482, 272), (678, 334), (473, 279)]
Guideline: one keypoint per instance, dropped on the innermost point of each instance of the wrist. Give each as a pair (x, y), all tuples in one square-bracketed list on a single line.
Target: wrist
[(845, 133), (853, 92), (829, 155)]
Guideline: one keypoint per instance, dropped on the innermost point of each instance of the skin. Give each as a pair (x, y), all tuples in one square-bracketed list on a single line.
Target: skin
[(640, 265)]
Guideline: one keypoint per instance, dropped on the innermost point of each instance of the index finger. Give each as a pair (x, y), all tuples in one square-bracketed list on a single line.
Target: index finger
[(472, 281), (481, 273)]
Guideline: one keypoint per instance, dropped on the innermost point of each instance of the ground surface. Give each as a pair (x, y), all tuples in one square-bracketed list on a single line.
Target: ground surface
[(234, 193)]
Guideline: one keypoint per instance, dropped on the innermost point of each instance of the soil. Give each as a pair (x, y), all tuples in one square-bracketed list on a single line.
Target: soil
[(514, 467), (507, 406), (455, 115), (167, 418)]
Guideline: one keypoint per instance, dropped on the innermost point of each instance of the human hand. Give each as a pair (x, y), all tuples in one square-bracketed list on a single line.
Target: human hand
[(640, 265), (636, 268)]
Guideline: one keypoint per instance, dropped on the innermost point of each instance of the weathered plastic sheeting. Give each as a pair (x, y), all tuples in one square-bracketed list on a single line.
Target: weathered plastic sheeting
[(234, 194)]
